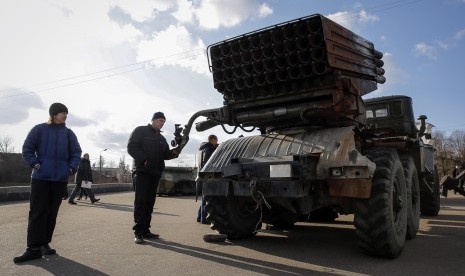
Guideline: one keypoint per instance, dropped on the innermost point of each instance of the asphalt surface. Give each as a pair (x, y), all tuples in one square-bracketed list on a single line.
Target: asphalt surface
[(98, 240)]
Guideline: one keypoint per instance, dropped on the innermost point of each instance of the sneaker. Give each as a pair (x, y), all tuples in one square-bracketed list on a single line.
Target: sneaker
[(30, 254), (47, 250), (96, 200), (150, 235), (72, 202), (138, 239)]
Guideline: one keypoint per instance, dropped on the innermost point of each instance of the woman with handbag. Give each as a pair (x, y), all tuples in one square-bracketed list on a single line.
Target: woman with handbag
[(83, 180)]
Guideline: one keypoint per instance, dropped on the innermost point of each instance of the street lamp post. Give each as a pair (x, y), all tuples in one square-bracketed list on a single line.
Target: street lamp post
[(101, 160)]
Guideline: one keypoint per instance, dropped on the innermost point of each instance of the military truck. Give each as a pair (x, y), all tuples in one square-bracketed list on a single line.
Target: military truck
[(322, 149)]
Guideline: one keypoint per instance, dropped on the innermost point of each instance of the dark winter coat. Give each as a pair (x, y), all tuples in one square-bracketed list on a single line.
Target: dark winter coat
[(56, 148), (84, 172), (207, 149), (147, 144)]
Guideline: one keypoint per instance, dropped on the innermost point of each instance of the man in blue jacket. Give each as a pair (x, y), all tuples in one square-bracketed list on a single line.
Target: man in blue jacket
[(53, 152), (150, 150)]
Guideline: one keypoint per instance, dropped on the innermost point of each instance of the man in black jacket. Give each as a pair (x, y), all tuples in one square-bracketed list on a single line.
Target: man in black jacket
[(207, 149), (150, 150)]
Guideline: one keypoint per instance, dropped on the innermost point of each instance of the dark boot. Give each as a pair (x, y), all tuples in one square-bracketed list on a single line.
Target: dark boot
[(92, 196), (30, 254), (47, 250)]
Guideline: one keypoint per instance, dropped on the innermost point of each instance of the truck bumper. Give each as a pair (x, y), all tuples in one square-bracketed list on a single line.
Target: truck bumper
[(275, 188)]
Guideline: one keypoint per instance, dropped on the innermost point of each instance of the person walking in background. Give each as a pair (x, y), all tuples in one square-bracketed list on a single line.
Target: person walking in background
[(150, 150), (53, 152), (84, 174), (207, 149)]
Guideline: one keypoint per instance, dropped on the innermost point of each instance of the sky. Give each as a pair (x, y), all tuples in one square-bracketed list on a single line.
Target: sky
[(114, 63)]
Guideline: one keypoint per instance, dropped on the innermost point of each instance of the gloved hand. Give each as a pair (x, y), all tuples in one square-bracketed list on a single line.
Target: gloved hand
[(176, 151)]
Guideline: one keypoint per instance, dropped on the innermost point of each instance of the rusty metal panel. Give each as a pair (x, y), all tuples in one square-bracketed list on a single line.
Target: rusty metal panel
[(358, 188), (335, 146)]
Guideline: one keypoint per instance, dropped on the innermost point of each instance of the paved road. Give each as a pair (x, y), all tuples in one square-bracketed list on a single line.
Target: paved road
[(97, 240)]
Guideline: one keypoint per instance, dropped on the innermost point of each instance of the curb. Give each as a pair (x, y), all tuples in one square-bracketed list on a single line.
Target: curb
[(18, 193)]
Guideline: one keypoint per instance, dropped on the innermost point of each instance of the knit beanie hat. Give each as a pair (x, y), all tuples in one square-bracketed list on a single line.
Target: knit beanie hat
[(56, 108), (158, 115)]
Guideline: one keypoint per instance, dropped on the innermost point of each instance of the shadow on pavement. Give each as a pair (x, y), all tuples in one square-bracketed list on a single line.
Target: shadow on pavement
[(117, 207), (58, 265), (248, 264)]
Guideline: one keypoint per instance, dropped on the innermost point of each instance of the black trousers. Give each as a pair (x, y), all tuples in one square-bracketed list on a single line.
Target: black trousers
[(146, 188), (45, 200)]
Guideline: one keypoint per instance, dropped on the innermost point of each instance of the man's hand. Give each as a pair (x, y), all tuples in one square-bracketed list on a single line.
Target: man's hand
[(176, 151)]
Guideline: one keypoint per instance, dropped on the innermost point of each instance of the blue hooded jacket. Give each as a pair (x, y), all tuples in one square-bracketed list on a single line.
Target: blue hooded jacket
[(56, 148)]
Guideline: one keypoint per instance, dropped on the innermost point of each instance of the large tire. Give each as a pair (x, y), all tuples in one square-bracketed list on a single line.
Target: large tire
[(413, 196), (381, 220), (431, 201), (236, 217)]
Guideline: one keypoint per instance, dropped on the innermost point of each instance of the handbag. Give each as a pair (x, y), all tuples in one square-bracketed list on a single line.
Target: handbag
[(86, 184)]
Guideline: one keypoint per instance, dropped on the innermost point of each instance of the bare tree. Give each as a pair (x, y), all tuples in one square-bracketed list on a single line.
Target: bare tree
[(443, 151), (111, 164), (456, 143), (6, 144)]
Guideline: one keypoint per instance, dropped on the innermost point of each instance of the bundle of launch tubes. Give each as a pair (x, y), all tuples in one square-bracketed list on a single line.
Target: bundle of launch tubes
[(288, 56)]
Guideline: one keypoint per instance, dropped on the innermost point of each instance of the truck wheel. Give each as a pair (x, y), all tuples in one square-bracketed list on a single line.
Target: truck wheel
[(236, 217), (431, 201), (381, 220), (413, 197)]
